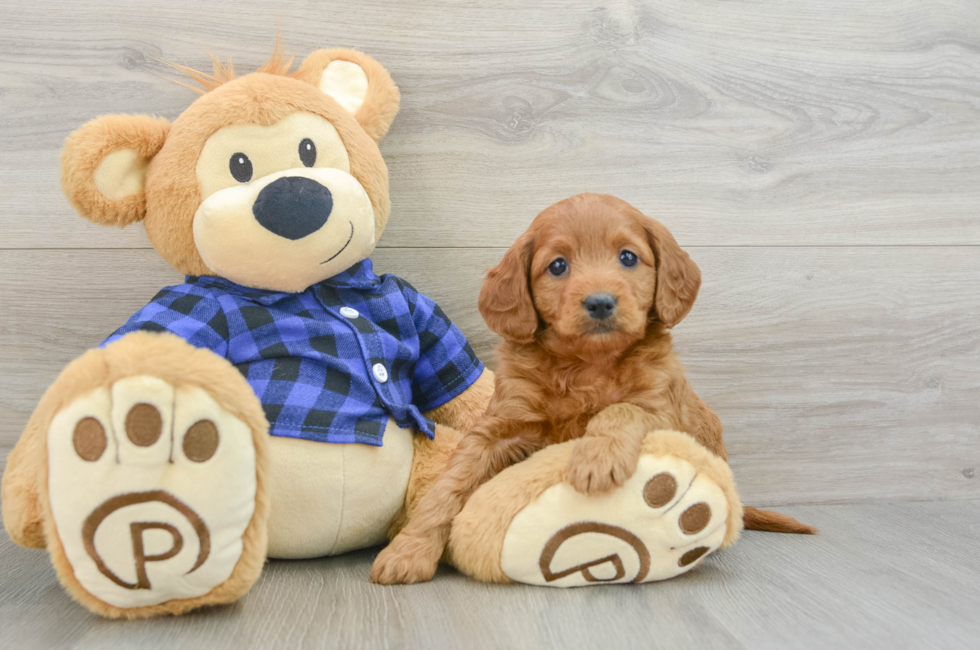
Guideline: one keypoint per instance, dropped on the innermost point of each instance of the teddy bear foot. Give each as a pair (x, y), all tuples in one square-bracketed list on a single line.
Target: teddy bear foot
[(678, 507), (154, 487)]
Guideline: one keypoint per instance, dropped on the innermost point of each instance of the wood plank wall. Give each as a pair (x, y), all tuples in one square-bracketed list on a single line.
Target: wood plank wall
[(820, 161)]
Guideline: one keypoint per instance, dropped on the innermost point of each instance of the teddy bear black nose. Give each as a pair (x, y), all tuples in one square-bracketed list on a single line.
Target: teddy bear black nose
[(293, 206), (600, 305)]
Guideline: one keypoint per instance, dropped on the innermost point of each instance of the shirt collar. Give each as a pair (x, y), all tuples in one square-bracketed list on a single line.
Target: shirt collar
[(359, 276)]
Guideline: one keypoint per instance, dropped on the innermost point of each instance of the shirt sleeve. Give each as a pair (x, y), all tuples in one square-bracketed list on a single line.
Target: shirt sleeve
[(447, 364), (189, 311)]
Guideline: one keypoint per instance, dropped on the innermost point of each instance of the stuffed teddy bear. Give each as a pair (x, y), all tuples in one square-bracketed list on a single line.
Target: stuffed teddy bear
[(285, 401)]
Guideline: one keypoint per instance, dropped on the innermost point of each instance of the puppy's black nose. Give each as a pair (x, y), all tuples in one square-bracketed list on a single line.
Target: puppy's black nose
[(293, 206), (600, 305)]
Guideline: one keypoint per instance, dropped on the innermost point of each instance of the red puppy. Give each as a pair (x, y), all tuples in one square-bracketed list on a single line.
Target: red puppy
[(583, 300)]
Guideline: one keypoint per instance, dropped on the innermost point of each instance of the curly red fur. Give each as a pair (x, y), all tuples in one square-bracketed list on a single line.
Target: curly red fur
[(563, 373)]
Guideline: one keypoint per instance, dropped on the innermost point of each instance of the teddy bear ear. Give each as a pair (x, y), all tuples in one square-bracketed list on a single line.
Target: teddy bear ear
[(103, 166), (358, 83)]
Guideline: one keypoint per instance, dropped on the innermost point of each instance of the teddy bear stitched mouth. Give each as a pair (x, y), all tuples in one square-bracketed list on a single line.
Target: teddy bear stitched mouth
[(349, 238)]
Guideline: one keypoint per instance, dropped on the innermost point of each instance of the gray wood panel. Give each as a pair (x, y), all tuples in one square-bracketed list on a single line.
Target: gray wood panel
[(879, 576), (820, 160), (841, 374), (746, 123)]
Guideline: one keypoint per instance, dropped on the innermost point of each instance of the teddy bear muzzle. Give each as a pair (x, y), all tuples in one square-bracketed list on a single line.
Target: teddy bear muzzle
[(287, 230)]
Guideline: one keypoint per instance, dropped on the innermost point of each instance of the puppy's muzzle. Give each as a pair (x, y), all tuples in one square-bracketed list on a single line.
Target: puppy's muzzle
[(293, 207), (600, 305)]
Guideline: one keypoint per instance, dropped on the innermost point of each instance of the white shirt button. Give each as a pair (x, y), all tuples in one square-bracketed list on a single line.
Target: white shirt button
[(380, 372), (349, 312)]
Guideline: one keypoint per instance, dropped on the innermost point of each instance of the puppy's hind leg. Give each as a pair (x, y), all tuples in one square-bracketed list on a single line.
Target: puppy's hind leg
[(414, 553)]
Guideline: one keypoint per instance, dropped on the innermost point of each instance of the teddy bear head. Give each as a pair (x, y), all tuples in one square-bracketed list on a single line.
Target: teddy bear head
[(273, 180)]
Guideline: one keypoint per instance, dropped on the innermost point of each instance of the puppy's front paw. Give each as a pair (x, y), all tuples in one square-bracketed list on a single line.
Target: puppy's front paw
[(598, 466), (406, 560)]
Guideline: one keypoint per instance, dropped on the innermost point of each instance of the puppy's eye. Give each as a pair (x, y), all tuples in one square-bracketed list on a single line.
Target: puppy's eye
[(558, 267), (628, 258), (241, 167), (307, 152)]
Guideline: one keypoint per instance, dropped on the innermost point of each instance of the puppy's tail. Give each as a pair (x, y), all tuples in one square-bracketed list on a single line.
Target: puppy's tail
[(774, 522)]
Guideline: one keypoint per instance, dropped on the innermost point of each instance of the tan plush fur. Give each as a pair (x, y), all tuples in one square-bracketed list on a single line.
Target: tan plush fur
[(381, 103), (477, 537), (223, 73), (22, 514), (166, 199), (171, 194), (376, 113), (88, 146), (431, 456), (462, 412), (564, 374), (171, 185), (180, 364)]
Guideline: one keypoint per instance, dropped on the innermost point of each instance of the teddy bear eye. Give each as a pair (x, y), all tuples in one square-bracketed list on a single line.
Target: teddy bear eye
[(307, 152), (241, 167)]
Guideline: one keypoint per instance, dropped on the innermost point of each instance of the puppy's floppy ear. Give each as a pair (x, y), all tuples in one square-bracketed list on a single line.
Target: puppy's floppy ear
[(358, 83), (678, 277), (103, 166), (505, 298)]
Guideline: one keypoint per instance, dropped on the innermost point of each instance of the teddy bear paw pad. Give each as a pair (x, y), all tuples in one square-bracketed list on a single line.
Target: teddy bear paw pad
[(662, 522), (151, 489)]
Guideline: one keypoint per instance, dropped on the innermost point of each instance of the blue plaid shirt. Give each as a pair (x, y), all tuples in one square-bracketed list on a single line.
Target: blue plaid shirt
[(330, 363)]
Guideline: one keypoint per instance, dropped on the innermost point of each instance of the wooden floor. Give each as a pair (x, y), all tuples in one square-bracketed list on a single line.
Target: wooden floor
[(819, 160), (900, 575)]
